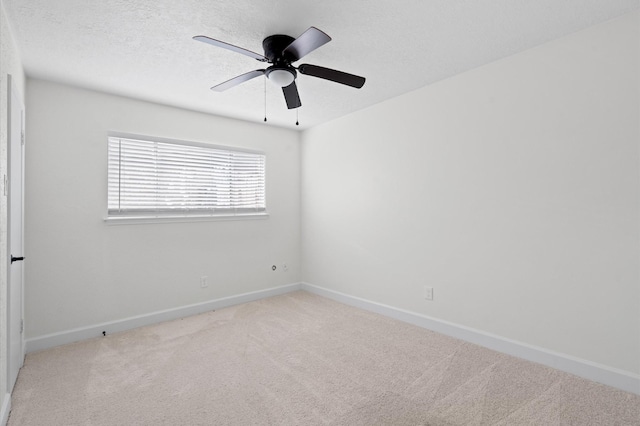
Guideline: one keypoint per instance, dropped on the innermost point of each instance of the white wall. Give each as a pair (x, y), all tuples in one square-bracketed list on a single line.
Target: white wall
[(511, 189), (10, 64), (82, 272)]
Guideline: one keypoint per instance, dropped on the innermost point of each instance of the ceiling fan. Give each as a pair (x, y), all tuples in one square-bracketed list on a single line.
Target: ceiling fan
[(281, 51)]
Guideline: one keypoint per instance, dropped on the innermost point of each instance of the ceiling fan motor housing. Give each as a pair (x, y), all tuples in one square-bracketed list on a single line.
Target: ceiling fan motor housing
[(282, 73), (274, 46)]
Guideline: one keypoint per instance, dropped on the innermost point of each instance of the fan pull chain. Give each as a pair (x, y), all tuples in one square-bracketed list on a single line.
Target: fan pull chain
[(297, 121), (265, 100)]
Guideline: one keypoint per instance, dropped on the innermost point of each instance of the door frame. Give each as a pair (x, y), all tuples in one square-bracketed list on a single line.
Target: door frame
[(13, 98)]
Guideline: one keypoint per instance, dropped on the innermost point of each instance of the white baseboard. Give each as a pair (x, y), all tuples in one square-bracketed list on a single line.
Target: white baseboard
[(589, 370), (6, 408), (83, 333)]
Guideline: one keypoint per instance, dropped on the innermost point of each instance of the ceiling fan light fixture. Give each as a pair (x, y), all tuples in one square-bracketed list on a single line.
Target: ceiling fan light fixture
[(281, 77), (281, 51)]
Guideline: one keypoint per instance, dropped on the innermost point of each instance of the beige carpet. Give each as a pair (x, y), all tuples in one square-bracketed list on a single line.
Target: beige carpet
[(300, 359)]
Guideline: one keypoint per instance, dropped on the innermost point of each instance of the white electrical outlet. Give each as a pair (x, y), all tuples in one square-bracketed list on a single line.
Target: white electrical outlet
[(203, 282), (428, 293), (285, 267)]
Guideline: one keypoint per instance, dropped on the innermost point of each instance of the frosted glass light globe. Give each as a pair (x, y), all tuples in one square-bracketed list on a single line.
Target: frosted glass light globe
[(281, 77)]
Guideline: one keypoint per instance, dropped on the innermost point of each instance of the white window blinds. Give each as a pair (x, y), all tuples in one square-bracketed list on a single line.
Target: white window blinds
[(160, 178)]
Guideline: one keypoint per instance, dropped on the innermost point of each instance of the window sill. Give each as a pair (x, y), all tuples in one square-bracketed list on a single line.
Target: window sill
[(138, 220)]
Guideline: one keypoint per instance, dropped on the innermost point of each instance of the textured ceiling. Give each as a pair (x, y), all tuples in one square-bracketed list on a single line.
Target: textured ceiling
[(144, 48)]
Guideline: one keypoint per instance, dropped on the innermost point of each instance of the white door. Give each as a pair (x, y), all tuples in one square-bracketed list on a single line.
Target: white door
[(15, 129)]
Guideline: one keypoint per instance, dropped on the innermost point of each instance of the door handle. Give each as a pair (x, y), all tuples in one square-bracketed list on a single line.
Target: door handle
[(16, 259)]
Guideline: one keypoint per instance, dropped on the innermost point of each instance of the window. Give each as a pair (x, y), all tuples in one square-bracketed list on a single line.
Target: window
[(162, 178)]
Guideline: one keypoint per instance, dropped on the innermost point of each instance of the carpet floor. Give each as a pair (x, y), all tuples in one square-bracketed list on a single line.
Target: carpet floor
[(301, 359)]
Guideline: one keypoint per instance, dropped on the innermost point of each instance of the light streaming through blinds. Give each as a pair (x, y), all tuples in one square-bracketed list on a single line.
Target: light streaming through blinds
[(151, 178)]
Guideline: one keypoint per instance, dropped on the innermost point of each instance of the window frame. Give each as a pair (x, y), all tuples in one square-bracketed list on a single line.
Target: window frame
[(199, 216)]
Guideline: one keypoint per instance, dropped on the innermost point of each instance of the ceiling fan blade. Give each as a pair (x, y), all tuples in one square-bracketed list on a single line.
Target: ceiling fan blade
[(231, 47), (333, 75), (309, 41), (237, 80), (291, 96)]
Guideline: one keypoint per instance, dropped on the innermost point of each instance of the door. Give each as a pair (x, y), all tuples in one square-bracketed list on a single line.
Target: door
[(15, 128)]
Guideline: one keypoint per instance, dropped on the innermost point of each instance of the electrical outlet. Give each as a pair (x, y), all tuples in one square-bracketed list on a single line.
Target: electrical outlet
[(285, 267), (428, 293), (203, 282)]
